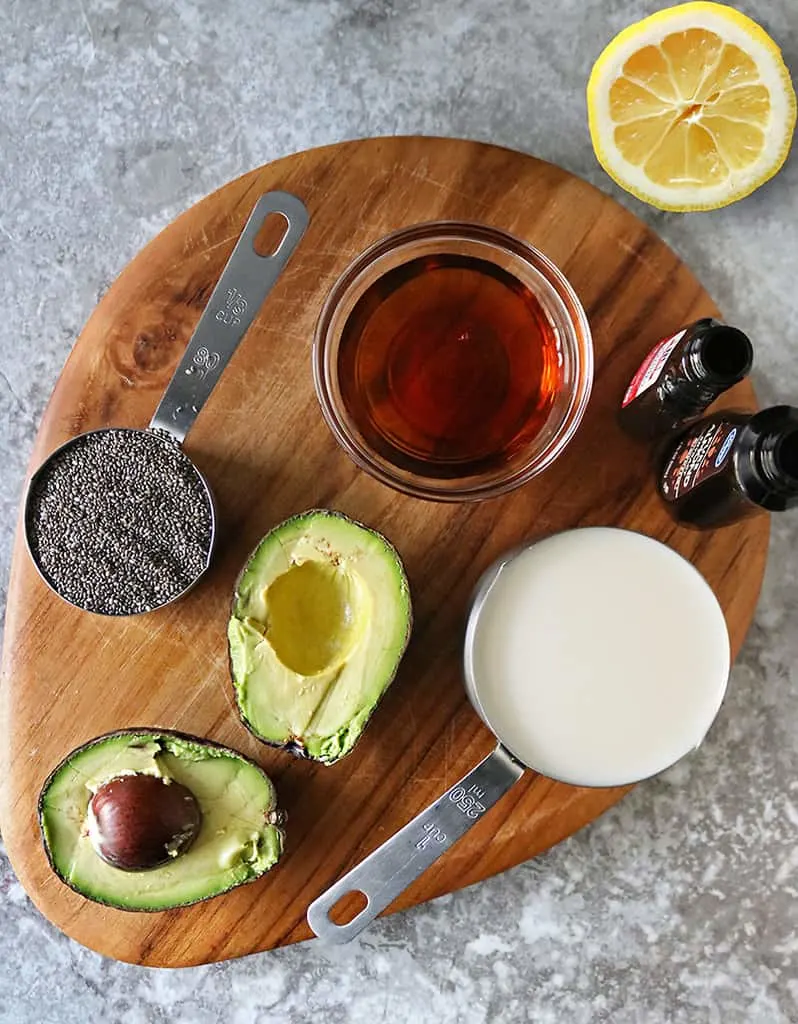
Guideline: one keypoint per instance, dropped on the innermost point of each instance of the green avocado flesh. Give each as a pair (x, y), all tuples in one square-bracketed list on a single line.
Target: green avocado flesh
[(321, 618), (237, 842)]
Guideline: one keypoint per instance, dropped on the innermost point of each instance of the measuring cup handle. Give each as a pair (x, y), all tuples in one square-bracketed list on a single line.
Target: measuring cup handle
[(234, 303), (391, 868)]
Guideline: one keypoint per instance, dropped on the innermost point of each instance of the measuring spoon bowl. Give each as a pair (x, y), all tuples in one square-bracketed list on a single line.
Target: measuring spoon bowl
[(149, 442), (243, 286)]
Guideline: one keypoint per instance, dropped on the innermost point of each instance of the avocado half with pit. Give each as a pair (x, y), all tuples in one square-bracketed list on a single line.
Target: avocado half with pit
[(144, 820), (321, 618)]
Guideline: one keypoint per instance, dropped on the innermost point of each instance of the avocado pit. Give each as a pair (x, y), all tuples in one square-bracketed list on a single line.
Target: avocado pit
[(137, 822)]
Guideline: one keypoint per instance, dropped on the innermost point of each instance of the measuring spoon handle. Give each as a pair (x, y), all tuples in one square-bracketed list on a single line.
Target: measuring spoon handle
[(234, 303), (391, 868)]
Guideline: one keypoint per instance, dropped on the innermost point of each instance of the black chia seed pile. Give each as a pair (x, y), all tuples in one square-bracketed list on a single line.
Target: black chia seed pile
[(120, 522)]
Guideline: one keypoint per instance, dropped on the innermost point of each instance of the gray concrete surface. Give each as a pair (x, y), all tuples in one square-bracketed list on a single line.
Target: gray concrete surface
[(680, 905)]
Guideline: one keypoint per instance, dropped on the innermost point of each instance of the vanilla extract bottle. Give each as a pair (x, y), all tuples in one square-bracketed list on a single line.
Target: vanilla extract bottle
[(682, 376), (732, 465)]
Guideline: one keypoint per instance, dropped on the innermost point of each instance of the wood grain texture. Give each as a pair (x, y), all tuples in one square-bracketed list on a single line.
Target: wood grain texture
[(69, 676)]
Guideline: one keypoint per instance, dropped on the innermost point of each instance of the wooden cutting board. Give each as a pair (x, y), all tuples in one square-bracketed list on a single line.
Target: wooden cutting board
[(69, 676)]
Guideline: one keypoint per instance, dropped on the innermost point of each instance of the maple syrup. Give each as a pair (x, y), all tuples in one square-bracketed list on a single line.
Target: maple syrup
[(448, 365)]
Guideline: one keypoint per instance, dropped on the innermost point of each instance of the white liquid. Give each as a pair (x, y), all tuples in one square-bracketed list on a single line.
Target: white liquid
[(600, 657)]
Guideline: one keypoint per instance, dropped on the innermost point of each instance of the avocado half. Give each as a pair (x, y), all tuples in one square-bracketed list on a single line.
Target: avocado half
[(321, 618), (239, 837)]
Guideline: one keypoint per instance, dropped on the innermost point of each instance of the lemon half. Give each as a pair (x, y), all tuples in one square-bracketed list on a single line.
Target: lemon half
[(691, 108)]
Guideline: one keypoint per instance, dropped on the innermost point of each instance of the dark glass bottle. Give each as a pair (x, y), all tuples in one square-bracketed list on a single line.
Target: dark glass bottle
[(731, 465), (683, 375)]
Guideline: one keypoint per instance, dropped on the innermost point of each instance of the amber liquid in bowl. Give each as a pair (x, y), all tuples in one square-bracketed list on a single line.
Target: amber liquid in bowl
[(448, 365)]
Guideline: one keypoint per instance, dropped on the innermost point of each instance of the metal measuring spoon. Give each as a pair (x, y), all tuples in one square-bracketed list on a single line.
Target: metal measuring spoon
[(691, 618), (120, 521)]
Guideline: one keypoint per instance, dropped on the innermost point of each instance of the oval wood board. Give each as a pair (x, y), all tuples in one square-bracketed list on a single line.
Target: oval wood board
[(69, 676)]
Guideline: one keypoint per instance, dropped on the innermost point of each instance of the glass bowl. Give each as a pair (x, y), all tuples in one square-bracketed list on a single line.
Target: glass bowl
[(354, 370)]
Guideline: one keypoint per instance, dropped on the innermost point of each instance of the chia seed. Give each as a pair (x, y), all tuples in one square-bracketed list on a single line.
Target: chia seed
[(120, 521)]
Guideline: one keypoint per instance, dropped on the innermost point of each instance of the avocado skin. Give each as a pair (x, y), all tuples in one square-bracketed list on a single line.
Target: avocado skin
[(150, 733), (294, 745)]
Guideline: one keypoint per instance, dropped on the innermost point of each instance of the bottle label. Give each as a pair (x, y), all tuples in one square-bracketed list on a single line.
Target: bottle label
[(701, 454), (651, 367)]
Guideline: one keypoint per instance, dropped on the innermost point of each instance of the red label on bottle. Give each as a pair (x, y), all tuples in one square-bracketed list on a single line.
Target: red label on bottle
[(701, 453), (651, 367)]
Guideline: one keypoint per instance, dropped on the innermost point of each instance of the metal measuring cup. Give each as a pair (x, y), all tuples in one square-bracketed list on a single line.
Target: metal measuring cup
[(235, 301), (401, 859)]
